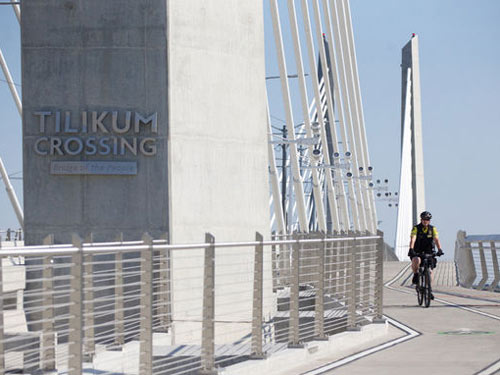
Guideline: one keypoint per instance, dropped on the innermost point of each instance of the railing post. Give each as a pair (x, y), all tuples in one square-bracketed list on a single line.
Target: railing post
[(274, 264), (88, 306), (76, 310), (471, 276), (496, 269), (342, 258), (119, 340), (258, 295), (319, 308), (334, 268), (146, 334), (364, 268), (464, 259), (208, 325), (352, 290), (293, 331), (379, 279), (284, 262), (484, 268), (48, 331), (163, 287), (2, 334)]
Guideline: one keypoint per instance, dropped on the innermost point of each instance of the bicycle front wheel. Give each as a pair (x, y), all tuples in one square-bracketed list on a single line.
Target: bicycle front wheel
[(420, 288), (427, 289)]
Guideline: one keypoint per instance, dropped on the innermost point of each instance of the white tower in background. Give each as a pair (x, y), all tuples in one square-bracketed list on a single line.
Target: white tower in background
[(411, 186)]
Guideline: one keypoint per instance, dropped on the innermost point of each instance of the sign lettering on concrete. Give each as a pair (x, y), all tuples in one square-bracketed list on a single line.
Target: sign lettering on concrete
[(93, 168), (95, 112)]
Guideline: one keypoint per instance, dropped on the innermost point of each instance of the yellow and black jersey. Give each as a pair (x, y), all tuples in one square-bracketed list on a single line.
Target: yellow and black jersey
[(424, 242), (425, 230)]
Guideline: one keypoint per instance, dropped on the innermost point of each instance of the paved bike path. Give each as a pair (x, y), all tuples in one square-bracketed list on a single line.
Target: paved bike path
[(458, 334)]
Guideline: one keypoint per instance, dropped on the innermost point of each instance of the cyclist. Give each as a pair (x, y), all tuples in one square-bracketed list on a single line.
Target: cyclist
[(423, 238)]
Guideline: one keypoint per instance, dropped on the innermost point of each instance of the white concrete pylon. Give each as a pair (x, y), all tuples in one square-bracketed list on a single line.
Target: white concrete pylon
[(411, 192), (404, 219), (418, 151)]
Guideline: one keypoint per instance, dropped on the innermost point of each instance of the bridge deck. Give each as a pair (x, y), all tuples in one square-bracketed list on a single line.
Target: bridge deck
[(445, 275), (458, 334)]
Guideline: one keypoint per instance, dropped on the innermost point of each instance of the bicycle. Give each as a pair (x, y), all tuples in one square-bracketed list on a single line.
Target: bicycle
[(423, 288)]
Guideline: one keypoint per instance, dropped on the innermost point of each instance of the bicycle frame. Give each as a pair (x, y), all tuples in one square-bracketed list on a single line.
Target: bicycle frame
[(424, 288)]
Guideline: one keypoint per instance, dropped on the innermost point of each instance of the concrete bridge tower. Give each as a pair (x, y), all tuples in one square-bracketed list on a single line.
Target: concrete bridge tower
[(411, 188), (144, 116), (147, 116)]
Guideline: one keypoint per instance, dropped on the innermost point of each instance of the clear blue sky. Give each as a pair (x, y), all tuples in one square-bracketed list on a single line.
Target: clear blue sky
[(460, 80), (459, 59)]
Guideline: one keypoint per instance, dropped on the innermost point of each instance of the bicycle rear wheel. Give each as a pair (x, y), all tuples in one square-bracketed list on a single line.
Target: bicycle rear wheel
[(427, 289), (420, 288)]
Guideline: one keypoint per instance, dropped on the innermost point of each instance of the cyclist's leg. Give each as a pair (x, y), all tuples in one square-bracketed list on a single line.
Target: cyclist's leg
[(415, 263), (431, 271)]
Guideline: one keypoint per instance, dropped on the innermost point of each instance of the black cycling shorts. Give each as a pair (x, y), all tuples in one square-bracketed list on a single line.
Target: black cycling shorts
[(433, 263)]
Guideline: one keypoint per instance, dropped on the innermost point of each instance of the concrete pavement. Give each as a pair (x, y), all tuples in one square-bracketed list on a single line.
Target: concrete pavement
[(458, 334)]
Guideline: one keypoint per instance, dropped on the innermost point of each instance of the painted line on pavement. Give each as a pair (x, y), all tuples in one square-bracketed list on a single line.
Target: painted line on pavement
[(400, 273), (410, 334), (454, 294), (490, 370), (444, 302), (389, 283), (496, 317)]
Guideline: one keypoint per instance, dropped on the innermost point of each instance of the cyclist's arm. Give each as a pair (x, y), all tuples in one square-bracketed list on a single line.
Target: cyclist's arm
[(438, 243), (412, 242), (436, 238), (413, 237)]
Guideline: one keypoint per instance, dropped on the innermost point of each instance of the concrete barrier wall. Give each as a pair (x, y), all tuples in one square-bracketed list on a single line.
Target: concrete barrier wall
[(218, 146), (464, 261), (476, 258), (218, 137)]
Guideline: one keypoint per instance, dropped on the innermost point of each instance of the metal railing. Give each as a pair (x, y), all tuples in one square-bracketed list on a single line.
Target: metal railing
[(149, 307), (476, 257), (11, 235)]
